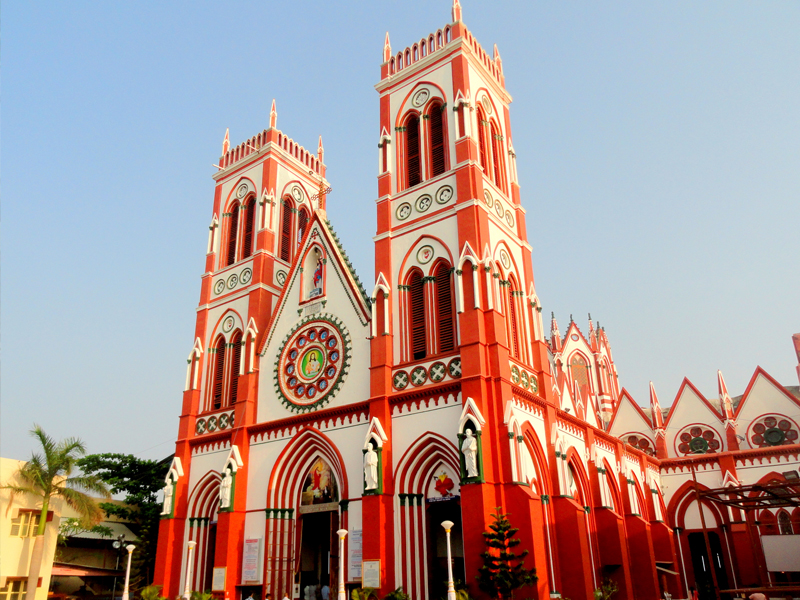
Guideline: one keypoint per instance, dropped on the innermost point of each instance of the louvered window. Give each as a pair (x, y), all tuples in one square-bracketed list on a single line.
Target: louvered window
[(513, 325), (302, 223), (233, 232), (436, 120), (249, 223), (236, 361), (445, 328), (497, 155), (482, 141), (219, 374), (417, 311), (286, 230), (412, 151)]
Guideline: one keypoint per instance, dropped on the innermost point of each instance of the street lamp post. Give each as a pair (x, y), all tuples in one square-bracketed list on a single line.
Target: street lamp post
[(187, 589), (341, 595), (129, 548), (451, 591)]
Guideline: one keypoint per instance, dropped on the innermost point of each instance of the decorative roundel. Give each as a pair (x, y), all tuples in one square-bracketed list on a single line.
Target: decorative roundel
[(211, 424), (227, 324), (515, 375), (400, 380), (403, 211), (534, 384), (219, 287), (232, 281), (498, 208), (773, 430), (297, 193), (509, 218), (437, 371), (313, 363), (574, 337), (697, 439), (425, 254), (487, 104), (200, 426), (524, 379), (444, 194), (420, 97), (246, 275), (241, 191), (280, 277), (424, 203), (504, 259), (419, 376), (487, 197), (223, 421), (640, 443), (454, 368)]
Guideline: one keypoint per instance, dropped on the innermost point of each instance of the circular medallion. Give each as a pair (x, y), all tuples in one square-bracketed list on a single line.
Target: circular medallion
[(212, 424), (574, 337), (419, 376), (297, 193), (425, 255), (424, 203), (444, 194), (509, 218), (400, 380), (498, 208), (454, 368), (403, 211), (487, 197), (227, 324), (534, 384), (515, 375), (437, 371), (312, 364), (200, 426), (487, 104), (524, 379), (504, 259), (241, 191), (232, 281), (223, 421), (219, 287), (280, 277), (246, 276), (419, 98)]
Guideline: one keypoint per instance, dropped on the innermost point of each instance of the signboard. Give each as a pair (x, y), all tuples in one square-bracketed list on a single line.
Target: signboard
[(218, 580), (315, 508), (251, 572), (355, 555), (371, 574)]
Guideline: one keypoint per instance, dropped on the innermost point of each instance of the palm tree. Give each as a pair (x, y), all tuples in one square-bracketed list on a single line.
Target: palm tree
[(49, 476)]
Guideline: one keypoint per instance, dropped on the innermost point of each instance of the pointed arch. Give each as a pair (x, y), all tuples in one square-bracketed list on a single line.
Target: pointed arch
[(285, 238), (249, 226), (543, 485), (416, 315), (232, 233), (514, 323), (445, 308), (203, 508), (218, 373), (437, 128), (482, 147), (497, 157), (235, 367), (684, 498), (413, 167)]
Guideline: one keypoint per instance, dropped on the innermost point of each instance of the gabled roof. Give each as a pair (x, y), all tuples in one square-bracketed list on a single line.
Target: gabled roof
[(629, 416), (686, 384), (759, 373)]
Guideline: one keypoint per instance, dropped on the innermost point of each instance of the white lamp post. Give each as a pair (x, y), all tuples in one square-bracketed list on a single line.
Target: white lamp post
[(187, 589), (342, 559), (129, 548), (451, 591)]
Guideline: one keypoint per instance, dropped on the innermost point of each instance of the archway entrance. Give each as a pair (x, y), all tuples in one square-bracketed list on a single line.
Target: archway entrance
[(702, 565), (211, 547), (319, 520), (447, 510)]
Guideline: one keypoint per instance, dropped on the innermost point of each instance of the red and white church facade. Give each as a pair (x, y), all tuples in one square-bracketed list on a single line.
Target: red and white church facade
[(313, 405)]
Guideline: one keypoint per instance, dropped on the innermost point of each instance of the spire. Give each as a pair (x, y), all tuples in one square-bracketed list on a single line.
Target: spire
[(320, 150), (226, 143), (456, 11), (497, 60), (655, 408), (592, 336), (725, 402), (555, 335), (273, 116), (387, 49)]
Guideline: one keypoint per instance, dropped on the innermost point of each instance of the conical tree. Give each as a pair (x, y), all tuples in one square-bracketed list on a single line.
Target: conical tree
[(503, 570), (49, 475)]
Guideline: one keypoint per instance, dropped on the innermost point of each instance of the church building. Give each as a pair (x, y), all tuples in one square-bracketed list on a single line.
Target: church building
[(314, 405)]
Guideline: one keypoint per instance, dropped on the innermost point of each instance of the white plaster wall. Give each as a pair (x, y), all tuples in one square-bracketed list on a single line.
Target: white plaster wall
[(201, 464), (408, 427), (691, 409)]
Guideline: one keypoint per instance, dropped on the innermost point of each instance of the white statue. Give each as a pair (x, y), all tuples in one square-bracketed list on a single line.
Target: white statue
[(371, 468), (470, 449), (168, 490), (225, 490)]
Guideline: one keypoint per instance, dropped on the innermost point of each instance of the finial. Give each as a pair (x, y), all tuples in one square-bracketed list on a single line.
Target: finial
[(725, 402), (226, 143), (456, 11), (273, 116), (320, 150), (656, 417), (570, 318), (590, 317), (552, 315), (387, 49)]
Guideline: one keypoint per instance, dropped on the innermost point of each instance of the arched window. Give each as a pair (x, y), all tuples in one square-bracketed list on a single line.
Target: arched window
[(482, 141), (286, 230), (513, 322), (580, 374), (233, 232), (785, 523), (219, 374), (249, 224), (236, 362), (413, 175), (302, 224), (417, 316), (497, 157), (436, 121), (445, 326)]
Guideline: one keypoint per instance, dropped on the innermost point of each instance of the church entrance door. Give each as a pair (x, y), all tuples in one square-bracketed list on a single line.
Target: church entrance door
[(447, 510)]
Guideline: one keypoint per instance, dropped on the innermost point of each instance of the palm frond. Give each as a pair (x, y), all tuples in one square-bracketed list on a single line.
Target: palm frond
[(89, 483), (88, 510)]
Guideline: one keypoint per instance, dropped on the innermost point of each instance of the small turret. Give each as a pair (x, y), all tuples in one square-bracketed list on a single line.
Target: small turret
[(456, 12), (555, 335), (387, 49), (796, 341), (273, 116), (497, 60), (725, 402), (320, 150), (226, 143), (657, 417)]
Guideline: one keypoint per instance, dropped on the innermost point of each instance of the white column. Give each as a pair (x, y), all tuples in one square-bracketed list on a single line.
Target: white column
[(451, 591), (342, 559), (129, 548), (187, 588)]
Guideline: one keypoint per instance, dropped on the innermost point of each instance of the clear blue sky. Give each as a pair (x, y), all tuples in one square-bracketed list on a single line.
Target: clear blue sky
[(658, 149)]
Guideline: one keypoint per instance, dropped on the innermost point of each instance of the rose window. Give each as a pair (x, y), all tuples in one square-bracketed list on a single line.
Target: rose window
[(773, 430), (640, 443), (312, 363), (698, 440)]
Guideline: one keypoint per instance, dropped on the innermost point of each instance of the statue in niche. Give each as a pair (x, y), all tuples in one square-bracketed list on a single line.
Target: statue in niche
[(225, 490), (169, 490), (316, 277), (371, 468), (470, 450)]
